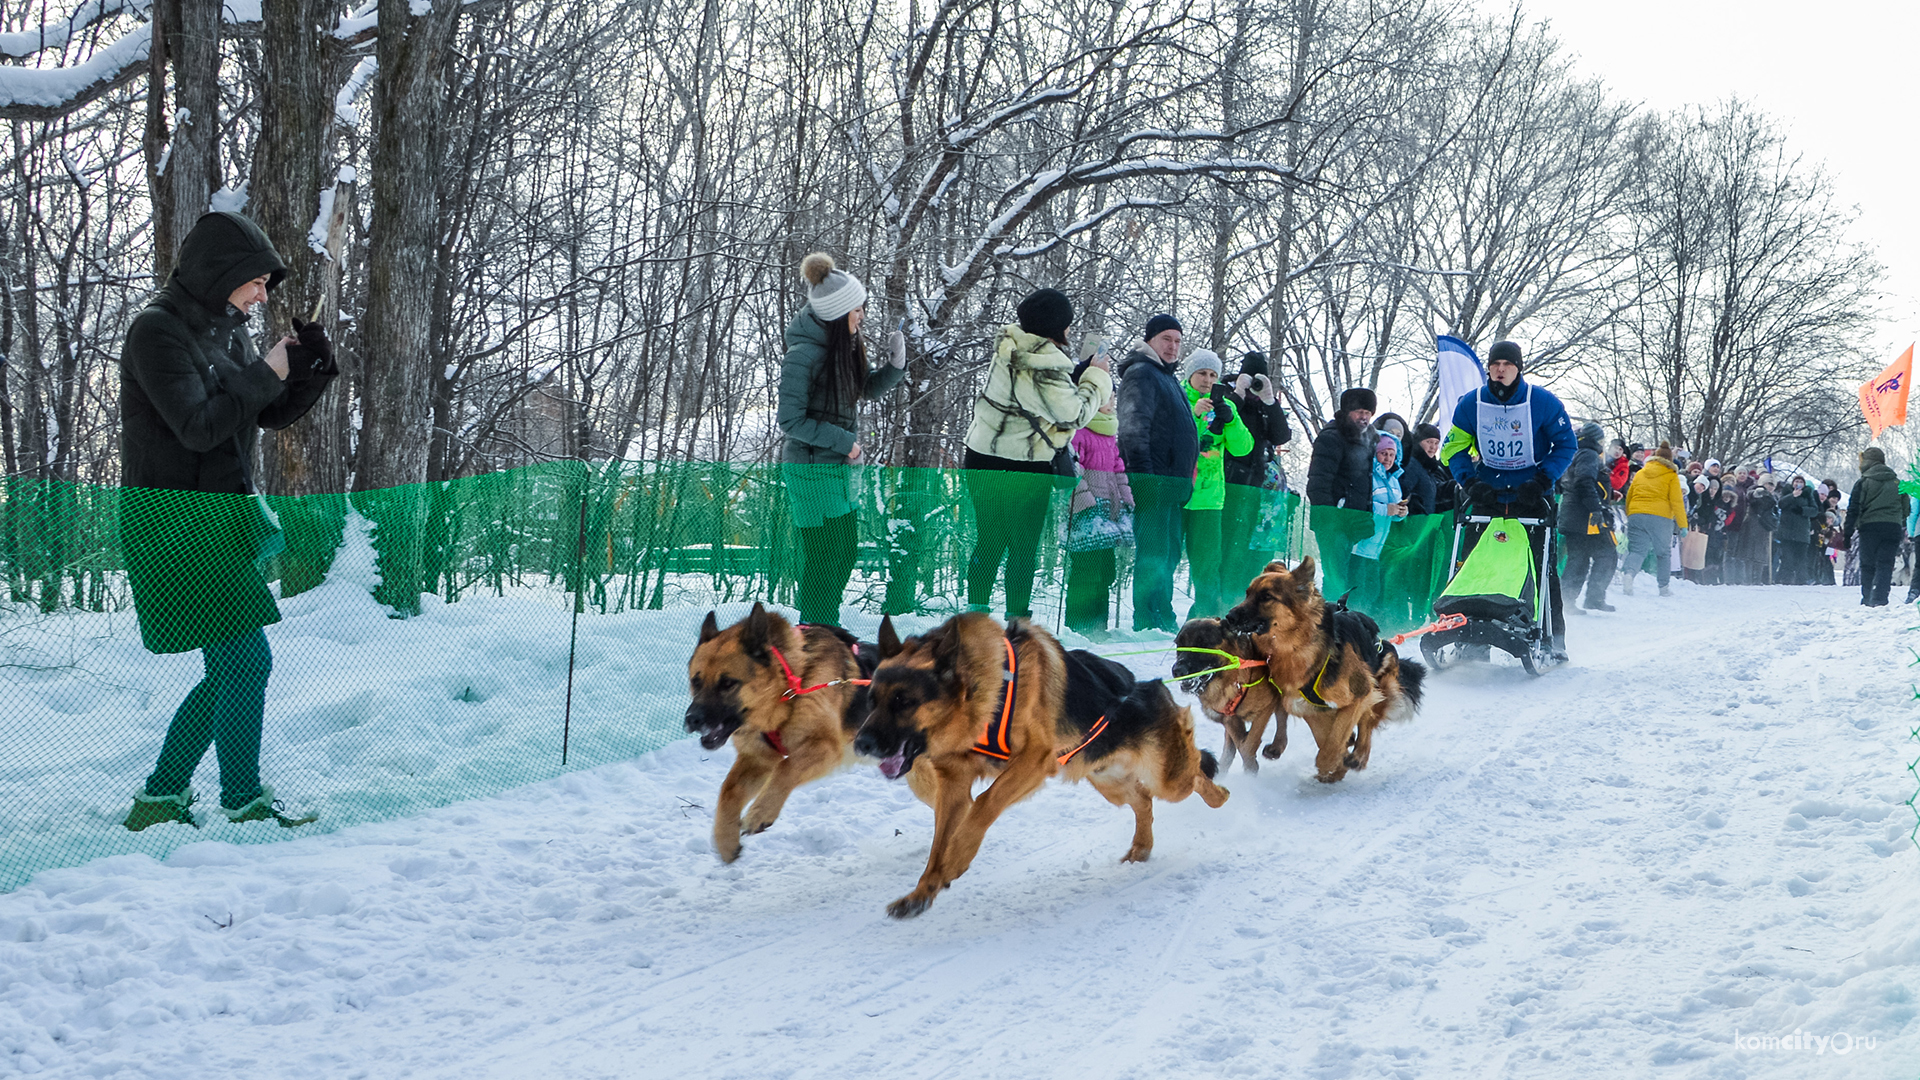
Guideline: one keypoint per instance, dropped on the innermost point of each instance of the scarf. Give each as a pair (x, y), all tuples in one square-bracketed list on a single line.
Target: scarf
[(1104, 424)]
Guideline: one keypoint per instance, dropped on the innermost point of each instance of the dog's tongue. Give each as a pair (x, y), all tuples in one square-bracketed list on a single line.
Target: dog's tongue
[(892, 766)]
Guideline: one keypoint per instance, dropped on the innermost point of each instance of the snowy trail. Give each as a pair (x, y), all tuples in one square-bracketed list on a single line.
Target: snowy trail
[(1695, 829)]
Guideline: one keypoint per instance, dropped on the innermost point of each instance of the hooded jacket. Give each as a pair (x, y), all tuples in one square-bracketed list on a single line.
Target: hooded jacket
[(1796, 515), (194, 394), (1157, 433), (1428, 483), (1656, 490), (1224, 436), (1876, 498), (1582, 503), (818, 431), (1031, 406)]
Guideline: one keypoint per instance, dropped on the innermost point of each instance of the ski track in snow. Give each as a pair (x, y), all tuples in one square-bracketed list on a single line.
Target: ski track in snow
[(1694, 829)]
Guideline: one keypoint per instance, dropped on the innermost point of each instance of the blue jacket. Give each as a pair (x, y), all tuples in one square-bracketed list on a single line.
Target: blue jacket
[(1553, 441), (1157, 433)]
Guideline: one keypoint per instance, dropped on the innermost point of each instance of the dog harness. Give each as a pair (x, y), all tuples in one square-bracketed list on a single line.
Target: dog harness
[(1099, 726), (795, 688), (1311, 691), (1234, 705), (994, 742)]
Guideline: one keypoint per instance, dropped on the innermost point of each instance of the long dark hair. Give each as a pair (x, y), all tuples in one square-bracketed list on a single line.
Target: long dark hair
[(838, 381)]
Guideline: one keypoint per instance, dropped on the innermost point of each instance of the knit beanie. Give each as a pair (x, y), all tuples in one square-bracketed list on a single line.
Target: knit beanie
[(1871, 456), (1160, 324), (1046, 313), (1358, 397), (1386, 440), (1202, 360), (830, 293), (1664, 450), (1590, 432), (1423, 432), (1508, 351), (1254, 363)]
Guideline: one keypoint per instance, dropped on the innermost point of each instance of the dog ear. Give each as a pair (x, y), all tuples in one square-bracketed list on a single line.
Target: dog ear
[(889, 640), (709, 629), (753, 637), (1275, 567), (1304, 572)]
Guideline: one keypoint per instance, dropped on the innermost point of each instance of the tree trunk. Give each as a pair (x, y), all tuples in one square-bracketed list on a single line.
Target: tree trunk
[(182, 149), (409, 95), (290, 167)]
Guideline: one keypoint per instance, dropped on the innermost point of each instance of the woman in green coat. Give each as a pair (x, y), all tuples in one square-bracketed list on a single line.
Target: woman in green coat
[(822, 381), (194, 394), (1204, 519)]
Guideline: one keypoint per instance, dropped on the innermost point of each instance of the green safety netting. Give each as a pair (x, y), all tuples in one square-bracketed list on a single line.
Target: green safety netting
[(435, 643)]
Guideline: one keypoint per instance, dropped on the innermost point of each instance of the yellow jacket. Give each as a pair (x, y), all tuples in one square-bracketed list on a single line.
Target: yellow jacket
[(1656, 490)]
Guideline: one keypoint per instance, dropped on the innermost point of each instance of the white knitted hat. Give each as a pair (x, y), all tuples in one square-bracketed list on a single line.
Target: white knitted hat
[(1203, 360), (830, 293)]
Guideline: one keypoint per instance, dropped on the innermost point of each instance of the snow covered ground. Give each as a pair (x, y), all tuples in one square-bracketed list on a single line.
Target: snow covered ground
[(1689, 840)]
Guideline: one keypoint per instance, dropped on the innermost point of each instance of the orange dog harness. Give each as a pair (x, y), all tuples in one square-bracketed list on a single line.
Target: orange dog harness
[(994, 743)]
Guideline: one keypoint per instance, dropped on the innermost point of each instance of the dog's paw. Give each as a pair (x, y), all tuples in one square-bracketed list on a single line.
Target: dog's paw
[(1137, 853), (1249, 765), (1353, 761), (1333, 777), (727, 853), (909, 905), (1273, 750)]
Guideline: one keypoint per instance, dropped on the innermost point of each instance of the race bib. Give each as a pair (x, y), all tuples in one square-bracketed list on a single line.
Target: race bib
[(1506, 435)]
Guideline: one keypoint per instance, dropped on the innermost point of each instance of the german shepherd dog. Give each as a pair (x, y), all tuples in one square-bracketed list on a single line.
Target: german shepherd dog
[(791, 699), (1330, 666), (1241, 701), (970, 701)]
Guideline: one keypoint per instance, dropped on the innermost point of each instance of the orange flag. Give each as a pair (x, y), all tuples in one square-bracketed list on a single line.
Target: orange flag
[(1883, 398)]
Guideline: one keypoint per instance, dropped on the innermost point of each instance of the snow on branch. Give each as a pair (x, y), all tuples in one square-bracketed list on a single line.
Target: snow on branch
[(56, 33), (1091, 221), (50, 93)]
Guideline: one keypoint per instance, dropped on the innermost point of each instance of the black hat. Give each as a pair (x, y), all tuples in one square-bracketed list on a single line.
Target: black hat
[(1590, 432), (1358, 397), (1254, 363), (1160, 324), (1505, 350), (1423, 432), (1046, 313), (223, 251)]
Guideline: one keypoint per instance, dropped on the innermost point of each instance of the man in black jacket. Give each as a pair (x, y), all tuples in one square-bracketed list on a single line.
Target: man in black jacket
[(1340, 486), (1587, 522), (1434, 483), (1257, 402), (1160, 444), (1798, 509), (194, 394)]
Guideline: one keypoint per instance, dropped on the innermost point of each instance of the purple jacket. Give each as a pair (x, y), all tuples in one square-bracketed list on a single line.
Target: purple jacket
[(1103, 474)]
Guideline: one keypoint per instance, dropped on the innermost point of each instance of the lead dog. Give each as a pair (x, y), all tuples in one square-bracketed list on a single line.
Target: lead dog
[(1240, 701), (1329, 664), (969, 701), (790, 698)]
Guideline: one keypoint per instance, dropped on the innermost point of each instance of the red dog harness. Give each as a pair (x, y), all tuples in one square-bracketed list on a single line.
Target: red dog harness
[(795, 688)]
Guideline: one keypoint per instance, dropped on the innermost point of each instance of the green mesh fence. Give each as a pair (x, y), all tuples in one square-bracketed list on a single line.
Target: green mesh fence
[(426, 636)]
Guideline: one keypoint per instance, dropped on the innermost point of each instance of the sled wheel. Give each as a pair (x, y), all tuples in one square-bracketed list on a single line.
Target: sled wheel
[(1439, 655)]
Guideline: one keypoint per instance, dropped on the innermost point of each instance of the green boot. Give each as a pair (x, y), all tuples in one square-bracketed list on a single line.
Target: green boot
[(155, 809)]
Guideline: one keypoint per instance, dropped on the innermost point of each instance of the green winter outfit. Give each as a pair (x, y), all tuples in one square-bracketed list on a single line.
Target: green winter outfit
[(1204, 518)]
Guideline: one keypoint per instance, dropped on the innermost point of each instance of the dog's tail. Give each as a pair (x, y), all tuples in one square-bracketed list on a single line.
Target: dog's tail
[(1413, 676), (1209, 765)]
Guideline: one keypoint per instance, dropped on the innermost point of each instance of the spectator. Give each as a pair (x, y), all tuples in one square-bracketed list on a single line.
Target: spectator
[(1798, 510), (1762, 518), (1655, 508), (1388, 506), (1161, 447), (1428, 484), (1252, 475), (1221, 432), (1586, 521), (1100, 519), (194, 394), (1722, 524), (823, 378), (1340, 485), (1876, 513), (1913, 538), (1022, 422), (1693, 548)]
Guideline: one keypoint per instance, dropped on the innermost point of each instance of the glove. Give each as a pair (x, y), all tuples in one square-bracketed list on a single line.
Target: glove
[(1480, 493), (1241, 382), (1264, 387), (1222, 412), (897, 349), (313, 357), (1530, 492)]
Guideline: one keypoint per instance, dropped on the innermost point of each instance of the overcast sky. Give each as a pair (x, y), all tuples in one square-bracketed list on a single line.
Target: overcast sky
[(1838, 74)]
